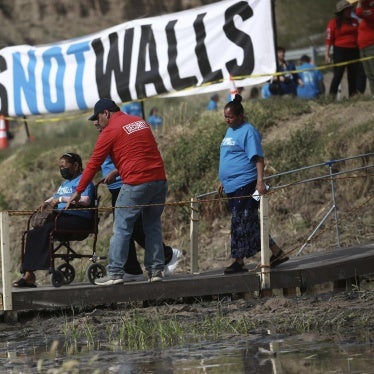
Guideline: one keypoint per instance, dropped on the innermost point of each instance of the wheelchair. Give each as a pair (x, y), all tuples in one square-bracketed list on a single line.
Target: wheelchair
[(60, 247)]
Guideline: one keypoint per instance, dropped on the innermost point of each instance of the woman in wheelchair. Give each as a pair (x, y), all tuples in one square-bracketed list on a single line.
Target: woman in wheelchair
[(36, 253)]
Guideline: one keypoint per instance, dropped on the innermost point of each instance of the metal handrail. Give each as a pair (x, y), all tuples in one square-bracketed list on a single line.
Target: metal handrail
[(326, 163), (330, 176)]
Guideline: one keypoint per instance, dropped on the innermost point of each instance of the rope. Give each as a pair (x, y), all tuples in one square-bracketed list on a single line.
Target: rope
[(327, 227), (200, 201), (241, 77)]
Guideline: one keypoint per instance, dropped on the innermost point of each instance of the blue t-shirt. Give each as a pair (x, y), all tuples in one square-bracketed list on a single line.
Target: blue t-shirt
[(67, 188), (133, 109), (265, 91), (312, 81), (212, 105), (106, 167), (154, 121), (229, 97), (237, 166)]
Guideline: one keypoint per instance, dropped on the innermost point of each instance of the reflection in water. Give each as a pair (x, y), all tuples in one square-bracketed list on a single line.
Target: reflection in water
[(270, 354)]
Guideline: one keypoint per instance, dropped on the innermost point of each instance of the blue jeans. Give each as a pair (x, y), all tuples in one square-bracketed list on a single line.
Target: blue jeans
[(147, 200)]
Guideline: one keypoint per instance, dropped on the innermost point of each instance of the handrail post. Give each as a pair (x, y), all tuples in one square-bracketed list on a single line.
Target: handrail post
[(194, 227), (330, 163), (265, 251), (5, 262)]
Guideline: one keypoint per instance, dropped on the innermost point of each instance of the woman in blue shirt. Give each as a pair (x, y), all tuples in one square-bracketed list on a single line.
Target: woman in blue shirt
[(37, 256), (241, 172), (154, 119)]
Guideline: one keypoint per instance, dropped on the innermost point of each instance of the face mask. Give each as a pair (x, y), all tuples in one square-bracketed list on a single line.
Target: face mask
[(66, 173)]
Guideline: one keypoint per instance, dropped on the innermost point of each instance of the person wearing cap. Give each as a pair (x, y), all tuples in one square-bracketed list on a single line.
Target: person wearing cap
[(132, 268), (312, 79), (133, 149), (341, 36), (365, 11), (36, 253)]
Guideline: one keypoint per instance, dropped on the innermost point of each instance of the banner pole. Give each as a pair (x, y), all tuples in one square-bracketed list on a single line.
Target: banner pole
[(274, 22)]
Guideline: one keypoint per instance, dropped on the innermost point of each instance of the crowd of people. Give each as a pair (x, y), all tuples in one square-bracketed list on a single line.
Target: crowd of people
[(126, 152), (349, 47)]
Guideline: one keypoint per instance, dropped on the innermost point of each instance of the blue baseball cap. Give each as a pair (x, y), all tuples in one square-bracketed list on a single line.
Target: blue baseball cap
[(101, 105)]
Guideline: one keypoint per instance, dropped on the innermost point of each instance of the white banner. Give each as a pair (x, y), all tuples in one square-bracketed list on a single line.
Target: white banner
[(184, 53)]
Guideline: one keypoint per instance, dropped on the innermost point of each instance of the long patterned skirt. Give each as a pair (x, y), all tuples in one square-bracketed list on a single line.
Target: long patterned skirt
[(245, 224)]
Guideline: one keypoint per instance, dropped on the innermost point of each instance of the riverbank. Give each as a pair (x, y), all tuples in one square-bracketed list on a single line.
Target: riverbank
[(178, 323), (308, 334)]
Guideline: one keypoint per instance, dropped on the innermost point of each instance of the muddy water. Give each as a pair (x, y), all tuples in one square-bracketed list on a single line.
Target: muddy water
[(254, 354)]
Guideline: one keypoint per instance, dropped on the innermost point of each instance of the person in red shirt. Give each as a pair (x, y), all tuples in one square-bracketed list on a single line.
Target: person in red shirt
[(133, 149), (365, 10), (341, 35)]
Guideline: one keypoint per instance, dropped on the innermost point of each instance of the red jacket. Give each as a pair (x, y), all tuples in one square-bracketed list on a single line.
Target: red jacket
[(133, 149), (366, 28), (344, 36)]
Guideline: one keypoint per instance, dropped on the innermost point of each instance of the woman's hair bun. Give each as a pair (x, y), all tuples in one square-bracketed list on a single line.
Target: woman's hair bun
[(237, 98)]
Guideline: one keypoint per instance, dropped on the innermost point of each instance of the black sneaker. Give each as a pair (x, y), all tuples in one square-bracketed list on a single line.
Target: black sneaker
[(155, 276), (235, 267), (278, 259)]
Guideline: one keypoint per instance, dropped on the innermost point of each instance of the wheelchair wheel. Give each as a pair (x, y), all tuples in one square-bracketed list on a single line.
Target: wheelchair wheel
[(95, 271), (57, 278), (68, 271)]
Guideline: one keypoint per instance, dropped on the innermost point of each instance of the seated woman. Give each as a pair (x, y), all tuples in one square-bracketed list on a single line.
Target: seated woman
[(36, 255)]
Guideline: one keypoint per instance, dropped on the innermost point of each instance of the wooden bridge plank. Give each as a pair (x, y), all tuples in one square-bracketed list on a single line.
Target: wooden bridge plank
[(321, 267), (301, 271), (80, 294)]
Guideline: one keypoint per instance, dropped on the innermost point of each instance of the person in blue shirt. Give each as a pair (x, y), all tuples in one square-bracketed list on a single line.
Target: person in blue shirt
[(241, 173), (133, 108), (312, 79), (154, 119), (286, 82), (213, 102), (265, 91), (37, 254)]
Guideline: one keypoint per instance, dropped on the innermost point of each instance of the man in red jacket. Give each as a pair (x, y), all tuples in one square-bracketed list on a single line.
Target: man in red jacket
[(131, 145)]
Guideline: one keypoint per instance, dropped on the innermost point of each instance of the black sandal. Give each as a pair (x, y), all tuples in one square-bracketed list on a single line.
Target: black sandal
[(278, 259), (22, 283), (235, 267)]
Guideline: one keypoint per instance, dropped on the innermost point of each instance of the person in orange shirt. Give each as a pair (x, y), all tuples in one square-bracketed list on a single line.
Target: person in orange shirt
[(341, 35)]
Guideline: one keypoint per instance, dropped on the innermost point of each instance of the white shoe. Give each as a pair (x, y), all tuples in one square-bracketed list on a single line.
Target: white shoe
[(127, 277), (108, 280), (172, 265), (156, 276)]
